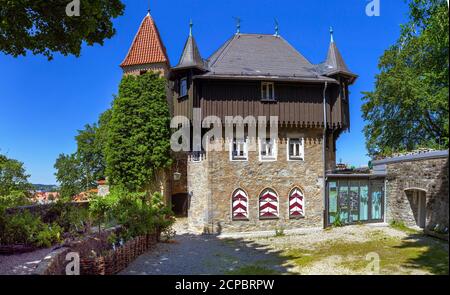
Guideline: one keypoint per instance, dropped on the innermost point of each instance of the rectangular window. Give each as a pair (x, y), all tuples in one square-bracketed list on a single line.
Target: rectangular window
[(183, 87), (354, 200), (239, 150), (377, 195), (268, 91), (333, 201), (343, 201), (296, 150), (364, 200), (267, 150)]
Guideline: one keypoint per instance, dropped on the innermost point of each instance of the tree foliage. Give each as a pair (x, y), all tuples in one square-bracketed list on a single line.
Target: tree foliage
[(81, 171), (43, 27), (409, 107), (69, 175), (138, 142), (13, 178)]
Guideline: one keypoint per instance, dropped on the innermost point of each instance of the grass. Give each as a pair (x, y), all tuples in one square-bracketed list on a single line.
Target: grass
[(396, 255), (252, 270)]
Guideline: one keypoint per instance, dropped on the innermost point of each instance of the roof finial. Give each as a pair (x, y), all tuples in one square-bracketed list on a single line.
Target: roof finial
[(148, 11), (331, 34), (277, 29), (238, 25), (191, 24)]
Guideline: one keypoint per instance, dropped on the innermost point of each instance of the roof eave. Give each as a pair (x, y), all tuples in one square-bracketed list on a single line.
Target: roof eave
[(266, 78)]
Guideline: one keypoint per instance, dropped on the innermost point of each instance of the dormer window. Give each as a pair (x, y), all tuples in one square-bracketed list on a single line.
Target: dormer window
[(183, 87), (268, 91)]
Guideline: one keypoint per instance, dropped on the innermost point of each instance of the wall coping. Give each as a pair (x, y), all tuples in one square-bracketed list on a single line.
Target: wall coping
[(413, 157)]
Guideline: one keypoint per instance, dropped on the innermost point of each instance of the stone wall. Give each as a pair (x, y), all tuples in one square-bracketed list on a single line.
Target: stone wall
[(425, 174), (198, 181), (213, 181)]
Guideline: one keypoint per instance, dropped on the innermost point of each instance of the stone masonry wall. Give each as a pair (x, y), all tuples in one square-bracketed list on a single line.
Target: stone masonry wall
[(199, 190), (429, 175), (213, 181)]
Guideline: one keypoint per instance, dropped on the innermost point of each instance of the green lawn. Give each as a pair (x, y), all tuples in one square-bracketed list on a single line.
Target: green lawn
[(409, 252)]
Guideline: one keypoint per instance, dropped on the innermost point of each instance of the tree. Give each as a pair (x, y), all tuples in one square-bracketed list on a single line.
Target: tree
[(409, 107), (90, 155), (80, 171), (43, 27), (69, 175), (13, 178), (14, 186), (138, 143)]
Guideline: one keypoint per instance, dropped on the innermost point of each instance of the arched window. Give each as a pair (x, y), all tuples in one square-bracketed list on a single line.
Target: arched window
[(268, 204), (296, 203), (240, 205)]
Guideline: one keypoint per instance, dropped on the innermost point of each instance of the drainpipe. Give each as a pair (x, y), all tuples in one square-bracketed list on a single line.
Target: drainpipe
[(324, 154)]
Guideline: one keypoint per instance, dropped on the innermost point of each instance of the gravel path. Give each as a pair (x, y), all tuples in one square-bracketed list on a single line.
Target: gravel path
[(191, 254), (22, 264), (198, 255)]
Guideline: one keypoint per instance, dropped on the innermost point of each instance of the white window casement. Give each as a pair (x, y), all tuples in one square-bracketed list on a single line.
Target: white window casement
[(239, 150), (296, 149), (268, 91), (183, 87), (268, 149)]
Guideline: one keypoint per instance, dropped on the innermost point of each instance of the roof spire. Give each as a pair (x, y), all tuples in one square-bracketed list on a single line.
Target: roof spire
[(148, 10), (277, 29), (331, 34), (191, 24), (238, 25)]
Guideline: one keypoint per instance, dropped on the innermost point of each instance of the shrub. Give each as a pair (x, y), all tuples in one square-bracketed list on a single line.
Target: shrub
[(279, 232), (26, 229), (337, 220)]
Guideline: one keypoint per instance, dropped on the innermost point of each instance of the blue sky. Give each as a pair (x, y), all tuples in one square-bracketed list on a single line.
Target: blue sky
[(43, 104)]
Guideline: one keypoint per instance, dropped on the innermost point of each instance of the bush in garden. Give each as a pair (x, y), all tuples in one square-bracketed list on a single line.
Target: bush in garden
[(26, 229), (100, 208), (72, 220)]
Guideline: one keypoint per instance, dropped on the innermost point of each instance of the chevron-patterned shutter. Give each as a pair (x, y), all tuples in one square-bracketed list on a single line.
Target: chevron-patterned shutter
[(268, 204), (240, 205), (296, 203)]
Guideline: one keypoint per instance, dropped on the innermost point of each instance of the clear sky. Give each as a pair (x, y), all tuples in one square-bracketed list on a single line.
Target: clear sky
[(43, 104)]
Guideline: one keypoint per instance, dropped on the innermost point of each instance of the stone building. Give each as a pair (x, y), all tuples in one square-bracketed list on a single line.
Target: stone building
[(287, 179), (255, 182), (417, 189)]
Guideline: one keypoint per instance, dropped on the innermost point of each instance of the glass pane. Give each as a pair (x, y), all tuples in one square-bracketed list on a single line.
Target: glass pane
[(343, 201), (364, 200), (377, 196), (354, 201), (332, 197)]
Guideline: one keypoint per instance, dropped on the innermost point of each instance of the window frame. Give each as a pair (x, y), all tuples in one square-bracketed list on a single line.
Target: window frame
[(301, 150), (184, 79), (278, 205), (233, 218), (266, 158), (302, 193), (265, 90), (243, 158)]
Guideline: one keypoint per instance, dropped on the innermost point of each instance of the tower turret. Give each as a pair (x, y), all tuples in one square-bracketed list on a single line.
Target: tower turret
[(147, 52)]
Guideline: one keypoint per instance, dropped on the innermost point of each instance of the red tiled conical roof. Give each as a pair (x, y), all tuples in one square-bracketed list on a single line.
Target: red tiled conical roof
[(147, 46)]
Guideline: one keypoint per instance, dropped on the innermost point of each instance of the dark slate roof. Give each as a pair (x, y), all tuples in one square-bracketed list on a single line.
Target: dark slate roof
[(259, 55), (191, 57), (334, 64)]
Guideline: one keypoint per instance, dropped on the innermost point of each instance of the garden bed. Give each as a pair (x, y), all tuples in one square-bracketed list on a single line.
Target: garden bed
[(97, 255)]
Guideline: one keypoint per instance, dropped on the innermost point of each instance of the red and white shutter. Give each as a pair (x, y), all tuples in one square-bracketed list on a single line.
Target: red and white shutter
[(268, 204), (296, 203), (240, 205)]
